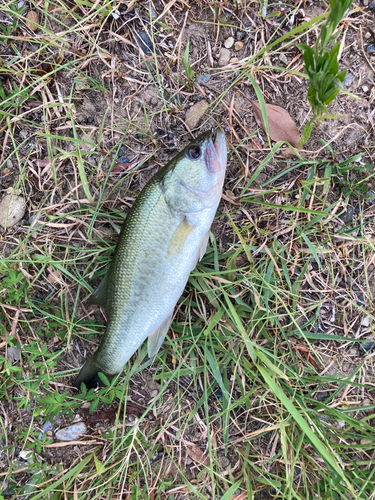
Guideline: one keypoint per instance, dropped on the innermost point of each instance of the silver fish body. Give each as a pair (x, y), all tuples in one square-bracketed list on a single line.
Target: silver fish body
[(161, 241)]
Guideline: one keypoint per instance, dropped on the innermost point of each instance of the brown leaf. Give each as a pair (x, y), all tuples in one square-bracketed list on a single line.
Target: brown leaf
[(241, 496), (120, 167), (196, 454), (280, 124)]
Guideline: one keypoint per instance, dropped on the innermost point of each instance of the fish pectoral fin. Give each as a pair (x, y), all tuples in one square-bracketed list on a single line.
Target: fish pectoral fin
[(100, 295), (156, 338), (177, 241), (202, 249)]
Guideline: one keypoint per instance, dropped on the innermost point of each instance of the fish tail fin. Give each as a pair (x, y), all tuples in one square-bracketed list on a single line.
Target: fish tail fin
[(89, 375)]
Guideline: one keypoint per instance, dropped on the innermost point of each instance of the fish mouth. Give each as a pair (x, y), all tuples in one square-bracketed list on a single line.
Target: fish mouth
[(220, 146), (216, 151)]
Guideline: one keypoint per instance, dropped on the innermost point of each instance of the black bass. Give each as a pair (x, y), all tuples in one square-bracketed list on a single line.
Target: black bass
[(163, 237)]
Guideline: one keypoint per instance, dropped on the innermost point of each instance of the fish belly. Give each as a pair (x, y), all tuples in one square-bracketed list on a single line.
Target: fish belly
[(148, 278)]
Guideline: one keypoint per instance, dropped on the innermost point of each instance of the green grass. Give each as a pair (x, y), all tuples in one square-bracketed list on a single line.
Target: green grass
[(263, 368)]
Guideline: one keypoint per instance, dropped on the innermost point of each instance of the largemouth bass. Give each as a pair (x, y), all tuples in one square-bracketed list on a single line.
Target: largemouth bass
[(163, 237)]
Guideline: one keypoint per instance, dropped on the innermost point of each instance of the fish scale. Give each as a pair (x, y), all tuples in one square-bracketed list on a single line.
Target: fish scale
[(162, 238)]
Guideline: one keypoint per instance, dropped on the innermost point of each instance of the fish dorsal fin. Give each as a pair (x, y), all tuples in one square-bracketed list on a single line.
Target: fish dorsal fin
[(156, 338), (178, 238), (100, 295), (202, 249)]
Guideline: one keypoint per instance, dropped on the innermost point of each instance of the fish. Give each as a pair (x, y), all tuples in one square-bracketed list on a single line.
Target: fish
[(163, 237)]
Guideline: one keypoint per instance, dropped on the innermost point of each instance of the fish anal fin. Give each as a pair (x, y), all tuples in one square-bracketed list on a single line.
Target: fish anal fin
[(179, 237), (156, 338), (100, 295)]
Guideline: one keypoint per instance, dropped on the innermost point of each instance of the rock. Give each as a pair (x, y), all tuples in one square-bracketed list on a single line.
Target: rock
[(367, 347), (349, 79), (32, 19), (368, 402), (47, 427), (366, 321), (371, 48), (23, 133), (321, 396), (240, 35), (13, 354), (224, 57), (144, 42), (367, 441), (12, 209), (195, 113), (234, 60), (261, 178), (123, 159), (176, 100), (224, 462), (229, 42), (365, 88), (238, 46), (71, 433), (347, 216), (9, 164), (203, 78), (284, 59)]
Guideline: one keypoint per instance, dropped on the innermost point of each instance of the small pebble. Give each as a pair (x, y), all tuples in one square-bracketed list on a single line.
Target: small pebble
[(238, 46), (321, 396), (32, 19), (365, 88), (229, 42), (367, 347), (367, 441), (347, 216), (47, 427), (12, 210), (71, 433), (371, 48), (144, 42), (366, 321), (123, 159), (284, 59), (224, 57), (203, 78), (240, 35), (13, 354), (234, 60), (176, 100), (9, 164), (195, 113), (23, 133)]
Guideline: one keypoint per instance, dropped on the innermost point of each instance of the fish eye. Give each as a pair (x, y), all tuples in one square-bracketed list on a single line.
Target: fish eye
[(194, 152)]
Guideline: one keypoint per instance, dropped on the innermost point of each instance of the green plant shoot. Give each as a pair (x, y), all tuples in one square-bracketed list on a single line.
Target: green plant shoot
[(322, 67)]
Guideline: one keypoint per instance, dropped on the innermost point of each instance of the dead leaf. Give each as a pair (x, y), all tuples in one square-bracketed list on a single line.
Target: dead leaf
[(196, 454), (120, 167), (280, 124), (241, 496), (305, 353)]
